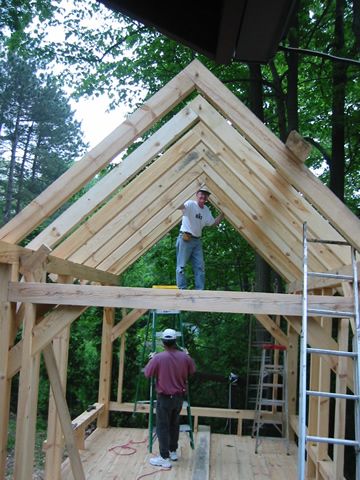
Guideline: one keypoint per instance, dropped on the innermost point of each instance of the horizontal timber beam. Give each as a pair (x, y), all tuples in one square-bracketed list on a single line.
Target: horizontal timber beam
[(190, 300), (198, 411)]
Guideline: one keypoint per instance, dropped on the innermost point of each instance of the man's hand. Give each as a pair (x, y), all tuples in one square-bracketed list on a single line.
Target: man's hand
[(152, 355), (219, 219)]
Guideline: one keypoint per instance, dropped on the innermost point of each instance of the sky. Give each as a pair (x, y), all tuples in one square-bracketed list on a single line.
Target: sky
[(96, 121)]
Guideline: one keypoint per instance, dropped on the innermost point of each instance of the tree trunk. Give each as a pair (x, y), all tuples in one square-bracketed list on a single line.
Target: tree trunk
[(10, 184), (292, 58), (35, 161), (280, 103), (22, 168), (337, 165), (356, 23)]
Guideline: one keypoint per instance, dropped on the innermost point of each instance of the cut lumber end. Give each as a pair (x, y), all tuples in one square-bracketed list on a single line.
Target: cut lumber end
[(300, 147)]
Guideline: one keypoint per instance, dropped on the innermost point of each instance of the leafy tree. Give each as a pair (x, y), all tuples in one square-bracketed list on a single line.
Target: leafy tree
[(39, 138)]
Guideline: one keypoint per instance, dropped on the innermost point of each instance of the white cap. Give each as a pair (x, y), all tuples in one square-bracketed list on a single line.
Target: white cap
[(169, 334), (203, 188)]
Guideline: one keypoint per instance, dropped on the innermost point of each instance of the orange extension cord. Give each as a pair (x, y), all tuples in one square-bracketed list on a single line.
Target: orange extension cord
[(128, 446)]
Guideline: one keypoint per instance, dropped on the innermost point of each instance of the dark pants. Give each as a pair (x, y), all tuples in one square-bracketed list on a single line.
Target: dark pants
[(167, 422)]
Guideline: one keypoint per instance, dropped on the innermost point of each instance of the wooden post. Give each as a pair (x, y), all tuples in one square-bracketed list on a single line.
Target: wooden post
[(33, 270), (105, 366), (313, 411), (324, 386), (121, 368), (27, 401), (292, 372), (63, 411), (340, 404), (55, 441), (6, 326)]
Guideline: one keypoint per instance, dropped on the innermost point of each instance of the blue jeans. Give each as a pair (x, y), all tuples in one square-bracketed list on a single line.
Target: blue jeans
[(190, 251)]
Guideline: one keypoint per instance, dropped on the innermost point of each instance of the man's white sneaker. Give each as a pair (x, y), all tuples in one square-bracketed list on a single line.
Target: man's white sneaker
[(173, 456), (160, 462)]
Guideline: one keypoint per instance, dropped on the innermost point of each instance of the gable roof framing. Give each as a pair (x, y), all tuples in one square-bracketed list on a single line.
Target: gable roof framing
[(265, 191)]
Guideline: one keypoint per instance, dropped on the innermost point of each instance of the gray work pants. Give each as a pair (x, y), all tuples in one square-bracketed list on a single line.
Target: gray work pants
[(167, 422)]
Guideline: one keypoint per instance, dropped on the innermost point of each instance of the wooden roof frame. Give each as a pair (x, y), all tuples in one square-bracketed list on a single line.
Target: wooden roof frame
[(266, 192), (226, 137)]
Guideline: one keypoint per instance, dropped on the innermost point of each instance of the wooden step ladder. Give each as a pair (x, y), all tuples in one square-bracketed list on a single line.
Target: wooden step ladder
[(271, 401)]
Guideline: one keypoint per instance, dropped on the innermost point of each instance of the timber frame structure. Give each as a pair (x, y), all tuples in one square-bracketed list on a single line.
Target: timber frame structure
[(266, 193)]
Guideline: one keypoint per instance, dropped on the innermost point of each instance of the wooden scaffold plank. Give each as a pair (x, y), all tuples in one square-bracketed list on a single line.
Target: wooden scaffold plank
[(201, 468)]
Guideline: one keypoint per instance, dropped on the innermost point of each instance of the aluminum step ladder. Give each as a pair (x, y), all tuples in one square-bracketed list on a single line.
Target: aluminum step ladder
[(151, 343), (272, 396), (305, 350)]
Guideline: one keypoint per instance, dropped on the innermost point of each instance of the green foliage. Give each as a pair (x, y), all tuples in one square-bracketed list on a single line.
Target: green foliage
[(84, 360), (39, 138)]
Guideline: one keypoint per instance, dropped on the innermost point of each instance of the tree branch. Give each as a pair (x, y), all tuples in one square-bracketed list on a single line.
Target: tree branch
[(314, 53)]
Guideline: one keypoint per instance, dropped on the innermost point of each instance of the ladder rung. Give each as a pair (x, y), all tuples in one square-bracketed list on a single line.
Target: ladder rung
[(330, 313), (345, 396), (338, 353), (271, 368), (331, 275), (264, 401), (167, 312), (185, 428), (338, 441), (269, 422), (275, 385), (329, 242)]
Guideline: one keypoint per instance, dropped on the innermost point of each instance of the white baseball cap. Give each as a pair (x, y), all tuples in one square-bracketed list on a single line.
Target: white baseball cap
[(203, 188), (169, 334)]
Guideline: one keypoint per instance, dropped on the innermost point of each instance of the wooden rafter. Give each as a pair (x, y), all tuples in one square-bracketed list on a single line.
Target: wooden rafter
[(276, 152), (147, 206), (122, 173), (85, 169)]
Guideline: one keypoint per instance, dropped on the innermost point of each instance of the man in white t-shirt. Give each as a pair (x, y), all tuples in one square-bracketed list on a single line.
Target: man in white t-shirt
[(196, 216)]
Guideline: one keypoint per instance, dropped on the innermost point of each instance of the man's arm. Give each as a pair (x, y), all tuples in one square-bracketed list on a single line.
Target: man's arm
[(219, 219), (150, 368)]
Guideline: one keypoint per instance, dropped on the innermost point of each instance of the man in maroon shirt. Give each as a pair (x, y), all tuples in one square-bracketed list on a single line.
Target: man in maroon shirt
[(171, 369)]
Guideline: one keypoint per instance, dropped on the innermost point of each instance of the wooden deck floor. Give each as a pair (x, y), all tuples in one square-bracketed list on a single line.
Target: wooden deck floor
[(231, 457)]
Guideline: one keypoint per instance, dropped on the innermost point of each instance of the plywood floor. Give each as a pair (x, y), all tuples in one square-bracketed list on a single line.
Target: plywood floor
[(231, 457)]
